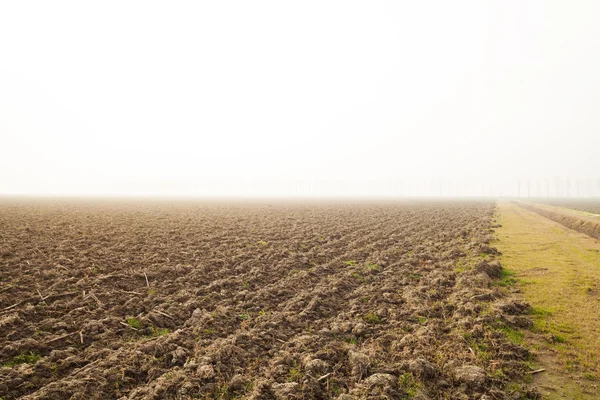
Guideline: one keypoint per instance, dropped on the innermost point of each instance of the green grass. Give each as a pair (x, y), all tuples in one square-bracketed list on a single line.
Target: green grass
[(513, 335), (410, 384), (294, 374), (206, 332), (559, 339), (507, 278), (555, 267), (590, 377), (356, 275), (24, 358), (462, 266), (480, 348), (373, 267), (351, 340), (415, 276), (372, 318), (540, 311), (154, 331), (134, 323)]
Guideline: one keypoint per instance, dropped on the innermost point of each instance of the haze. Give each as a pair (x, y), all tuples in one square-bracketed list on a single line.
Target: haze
[(313, 98)]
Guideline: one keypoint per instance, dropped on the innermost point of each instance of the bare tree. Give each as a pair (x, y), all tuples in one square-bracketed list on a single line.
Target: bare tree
[(588, 187)]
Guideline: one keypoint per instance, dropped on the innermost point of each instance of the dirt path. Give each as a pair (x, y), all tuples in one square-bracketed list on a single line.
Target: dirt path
[(558, 273)]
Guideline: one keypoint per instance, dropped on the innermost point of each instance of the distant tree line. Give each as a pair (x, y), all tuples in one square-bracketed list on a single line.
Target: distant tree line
[(558, 187)]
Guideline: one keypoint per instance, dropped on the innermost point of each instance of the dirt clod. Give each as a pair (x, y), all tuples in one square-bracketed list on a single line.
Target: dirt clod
[(359, 363), (422, 368), (493, 269), (470, 374)]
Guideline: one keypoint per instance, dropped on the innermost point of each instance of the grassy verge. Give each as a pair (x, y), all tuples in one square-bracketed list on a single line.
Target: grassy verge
[(557, 271)]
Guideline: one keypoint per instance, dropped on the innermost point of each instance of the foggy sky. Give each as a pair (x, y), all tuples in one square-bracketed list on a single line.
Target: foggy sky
[(298, 98)]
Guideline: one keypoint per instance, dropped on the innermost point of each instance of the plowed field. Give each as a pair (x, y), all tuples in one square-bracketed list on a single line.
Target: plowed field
[(183, 300)]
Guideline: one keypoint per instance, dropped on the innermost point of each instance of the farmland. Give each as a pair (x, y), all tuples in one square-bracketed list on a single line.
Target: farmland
[(148, 300)]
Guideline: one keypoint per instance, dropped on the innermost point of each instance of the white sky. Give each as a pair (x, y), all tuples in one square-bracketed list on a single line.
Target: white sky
[(297, 98)]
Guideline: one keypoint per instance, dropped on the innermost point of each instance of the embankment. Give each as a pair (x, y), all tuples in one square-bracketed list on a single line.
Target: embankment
[(588, 225)]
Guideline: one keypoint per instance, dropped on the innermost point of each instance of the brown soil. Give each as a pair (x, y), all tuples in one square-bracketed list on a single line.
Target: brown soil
[(176, 301)]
